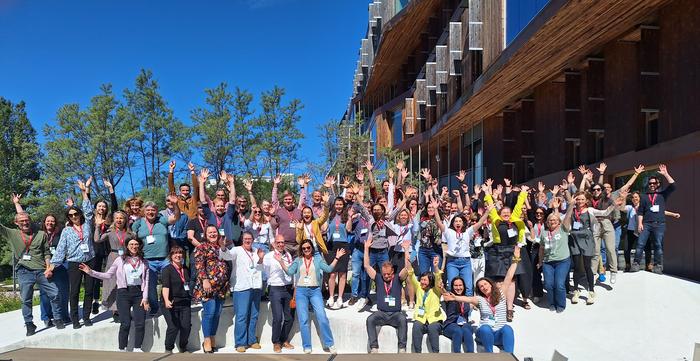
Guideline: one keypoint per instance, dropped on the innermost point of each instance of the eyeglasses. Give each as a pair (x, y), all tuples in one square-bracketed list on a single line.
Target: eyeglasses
[(305, 248), (74, 214), (596, 189), (539, 214)]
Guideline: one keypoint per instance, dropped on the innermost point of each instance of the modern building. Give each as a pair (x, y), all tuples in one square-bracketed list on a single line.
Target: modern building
[(530, 89)]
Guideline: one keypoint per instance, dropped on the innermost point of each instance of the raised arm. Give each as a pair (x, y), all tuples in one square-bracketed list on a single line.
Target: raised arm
[(171, 177), (365, 261), (273, 197), (176, 209), (436, 215), (248, 185), (303, 191), (15, 200), (203, 175), (511, 270), (483, 218)]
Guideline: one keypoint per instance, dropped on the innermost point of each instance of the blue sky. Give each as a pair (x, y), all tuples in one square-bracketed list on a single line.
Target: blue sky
[(58, 52)]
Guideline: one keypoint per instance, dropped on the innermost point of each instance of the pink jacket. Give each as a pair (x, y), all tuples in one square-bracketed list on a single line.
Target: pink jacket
[(118, 268)]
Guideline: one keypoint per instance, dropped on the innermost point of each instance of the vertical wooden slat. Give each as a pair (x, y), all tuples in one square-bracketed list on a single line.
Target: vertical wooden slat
[(441, 68), (455, 43), (475, 25), (409, 117)]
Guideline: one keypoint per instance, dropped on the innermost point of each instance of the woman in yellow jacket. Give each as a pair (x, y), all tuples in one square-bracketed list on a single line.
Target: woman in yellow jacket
[(427, 314), (507, 232), (310, 228)]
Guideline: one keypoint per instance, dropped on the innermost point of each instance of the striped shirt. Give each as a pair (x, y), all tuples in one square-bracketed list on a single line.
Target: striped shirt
[(488, 317)]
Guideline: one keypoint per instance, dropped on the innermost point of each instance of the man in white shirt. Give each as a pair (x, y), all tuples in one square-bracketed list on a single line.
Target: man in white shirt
[(281, 293)]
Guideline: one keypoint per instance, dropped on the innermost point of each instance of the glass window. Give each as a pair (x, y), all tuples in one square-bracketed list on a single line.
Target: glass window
[(397, 127), (519, 13)]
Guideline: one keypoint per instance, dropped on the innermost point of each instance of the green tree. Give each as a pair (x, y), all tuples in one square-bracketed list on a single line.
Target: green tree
[(161, 136), (215, 137), (245, 135), (354, 147), (19, 162), (328, 136), (278, 136)]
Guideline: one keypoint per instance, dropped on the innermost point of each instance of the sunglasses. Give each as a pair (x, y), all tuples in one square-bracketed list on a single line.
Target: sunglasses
[(539, 214), (256, 212), (653, 183), (74, 214), (305, 248), (596, 189)]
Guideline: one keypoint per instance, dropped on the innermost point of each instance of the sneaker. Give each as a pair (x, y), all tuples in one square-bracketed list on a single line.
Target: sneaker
[(575, 297), (361, 303), (402, 350), (635, 267), (240, 349), (591, 298), (137, 349), (560, 310), (338, 304), (76, 325), (48, 323), (31, 328), (332, 350), (352, 301), (658, 269), (288, 346), (255, 346), (374, 350), (87, 322), (330, 302), (307, 351), (122, 350), (613, 277), (552, 308), (168, 352), (601, 277), (60, 324), (95, 308)]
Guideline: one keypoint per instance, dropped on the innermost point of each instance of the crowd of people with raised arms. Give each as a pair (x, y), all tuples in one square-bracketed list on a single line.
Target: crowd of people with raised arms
[(420, 254)]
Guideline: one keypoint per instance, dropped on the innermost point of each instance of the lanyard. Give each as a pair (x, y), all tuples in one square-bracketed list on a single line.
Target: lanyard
[(539, 229), (219, 220), (79, 231), (652, 200), (308, 265), (387, 290), (578, 213), (493, 308), (51, 237), (150, 226), (285, 255), (250, 255), (595, 203), (27, 243), (180, 272), (290, 215), (203, 224), (134, 265), (425, 295), (121, 239), (402, 233), (461, 308), (308, 230), (550, 234), (337, 223), (102, 228)]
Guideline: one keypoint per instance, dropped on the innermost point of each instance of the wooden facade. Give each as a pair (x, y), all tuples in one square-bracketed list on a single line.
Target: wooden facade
[(584, 82)]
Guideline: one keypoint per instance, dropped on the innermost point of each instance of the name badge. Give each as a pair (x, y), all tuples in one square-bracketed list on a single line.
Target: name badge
[(306, 280), (135, 273), (186, 287), (336, 235), (363, 231), (292, 225), (52, 250), (84, 247), (491, 321), (26, 257), (654, 208), (577, 225), (512, 232), (547, 245), (421, 311), (201, 235), (150, 239), (461, 321), (256, 278), (390, 301), (121, 251), (221, 232)]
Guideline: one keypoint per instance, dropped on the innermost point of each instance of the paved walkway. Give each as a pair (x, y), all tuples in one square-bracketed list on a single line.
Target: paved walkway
[(645, 317)]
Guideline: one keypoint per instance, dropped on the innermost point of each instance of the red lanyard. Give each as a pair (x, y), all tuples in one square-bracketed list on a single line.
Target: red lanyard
[(218, 221), (121, 239), (387, 290), (51, 237), (578, 213), (337, 223), (652, 200), (380, 224), (539, 229), (250, 255), (202, 224), (27, 243), (595, 203), (290, 215), (134, 265), (493, 308), (150, 226), (550, 234), (286, 255), (461, 308), (79, 231), (308, 265), (180, 272), (459, 234)]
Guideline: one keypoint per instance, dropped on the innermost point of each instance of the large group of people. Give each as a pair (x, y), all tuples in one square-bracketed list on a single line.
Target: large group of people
[(430, 255)]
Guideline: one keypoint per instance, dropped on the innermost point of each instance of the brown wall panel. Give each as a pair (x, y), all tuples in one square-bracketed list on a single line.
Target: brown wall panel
[(622, 109), (549, 125), (493, 147), (679, 45)]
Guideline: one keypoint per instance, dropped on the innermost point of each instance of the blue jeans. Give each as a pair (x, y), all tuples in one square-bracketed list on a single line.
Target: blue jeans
[(425, 259), (27, 278), (155, 266), (360, 279), (658, 229), (377, 258), (461, 336), (60, 279), (313, 296), (555, 274), (211, 311), (460, 266), (246, 304), (618, 235), (504, 338)]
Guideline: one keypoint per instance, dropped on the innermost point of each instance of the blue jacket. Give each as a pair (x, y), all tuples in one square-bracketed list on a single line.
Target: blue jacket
[(320, 266)]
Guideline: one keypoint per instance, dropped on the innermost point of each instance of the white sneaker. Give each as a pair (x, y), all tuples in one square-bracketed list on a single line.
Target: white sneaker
[(361, 303), (338, 304), (613, 277), (307, 351), (409, 314), (552, 308), (374, 350), (575, 297), (330, 302), (402, 350), (591, 298), (137, 350), (332, 350)]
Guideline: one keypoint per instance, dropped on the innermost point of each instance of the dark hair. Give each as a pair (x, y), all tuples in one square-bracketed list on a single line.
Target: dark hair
[(465, 222), (495, 297), (80, 213), (312, 212), (139, 252), (248, 233), (380, 205), (301, 245), (175, 249), (343, 214), (43, 223), (656, 178), (431, 278), (184, 185), (207, 227), (452, 286)]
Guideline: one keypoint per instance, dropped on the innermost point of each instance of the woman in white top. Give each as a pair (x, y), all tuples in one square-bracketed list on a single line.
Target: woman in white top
[(491, 301), (259, 226), (632, 235), (246, 278)]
